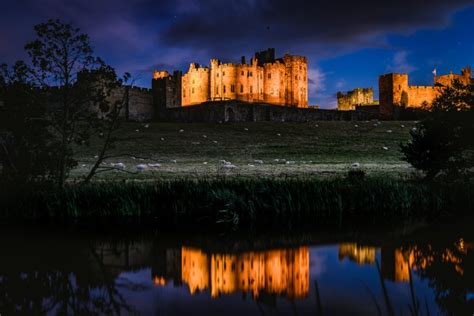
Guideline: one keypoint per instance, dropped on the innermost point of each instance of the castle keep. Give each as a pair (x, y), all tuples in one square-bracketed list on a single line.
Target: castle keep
[(282, 81)]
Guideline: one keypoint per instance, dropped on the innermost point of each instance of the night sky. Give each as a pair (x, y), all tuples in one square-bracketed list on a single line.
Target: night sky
[(348, 43)]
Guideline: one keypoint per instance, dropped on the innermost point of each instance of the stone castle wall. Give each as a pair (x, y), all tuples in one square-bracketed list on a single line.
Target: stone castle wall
[(419, 96), (137, 103), (394, 89), (357, 97), (235, 111)]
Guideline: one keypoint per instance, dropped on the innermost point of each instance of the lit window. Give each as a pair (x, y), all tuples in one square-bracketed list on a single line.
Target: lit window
[(241, 88), (251, 89), (243, 73), (270, 76), (224, 88), (223, 73)]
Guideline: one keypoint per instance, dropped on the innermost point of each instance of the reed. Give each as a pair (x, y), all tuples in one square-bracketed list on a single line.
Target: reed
[(246, 203)]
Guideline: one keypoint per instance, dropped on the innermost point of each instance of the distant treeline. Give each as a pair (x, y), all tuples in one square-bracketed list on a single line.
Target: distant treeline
[(282, 204)]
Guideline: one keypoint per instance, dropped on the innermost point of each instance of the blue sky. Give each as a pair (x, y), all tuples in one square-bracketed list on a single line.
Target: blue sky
[(348, 43)]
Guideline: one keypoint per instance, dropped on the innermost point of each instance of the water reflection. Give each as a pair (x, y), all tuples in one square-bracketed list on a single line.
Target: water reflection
[(69, 274), (282, 272)]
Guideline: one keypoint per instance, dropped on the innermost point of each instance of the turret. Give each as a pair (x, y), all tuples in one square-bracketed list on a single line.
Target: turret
[(466, 73)]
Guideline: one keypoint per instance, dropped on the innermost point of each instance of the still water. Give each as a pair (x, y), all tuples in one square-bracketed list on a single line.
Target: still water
[(423, 271)]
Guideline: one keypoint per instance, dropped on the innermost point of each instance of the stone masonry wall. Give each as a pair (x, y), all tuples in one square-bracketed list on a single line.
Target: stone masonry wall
[(419, 96), (234, 111), (137, 103)]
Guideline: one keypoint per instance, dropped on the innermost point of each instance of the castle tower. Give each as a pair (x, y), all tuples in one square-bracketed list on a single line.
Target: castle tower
[(215, 81), (296, 80), (393, 90), (195, 85), (166, 90), (466, 75)]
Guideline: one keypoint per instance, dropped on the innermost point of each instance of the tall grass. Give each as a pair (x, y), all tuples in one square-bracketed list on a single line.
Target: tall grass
[(247, 203)]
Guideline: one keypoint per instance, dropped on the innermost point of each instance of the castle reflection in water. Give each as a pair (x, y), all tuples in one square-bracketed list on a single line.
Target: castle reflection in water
[(283, 272)]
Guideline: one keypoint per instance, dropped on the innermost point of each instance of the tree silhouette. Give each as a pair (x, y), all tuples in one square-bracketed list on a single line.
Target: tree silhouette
[(442, 144)]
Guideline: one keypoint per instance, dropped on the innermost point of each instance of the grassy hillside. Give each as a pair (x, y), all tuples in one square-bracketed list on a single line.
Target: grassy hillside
[(286, 149)]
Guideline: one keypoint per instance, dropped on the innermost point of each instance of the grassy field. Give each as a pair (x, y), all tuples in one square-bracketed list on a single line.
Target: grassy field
[(266, 149)]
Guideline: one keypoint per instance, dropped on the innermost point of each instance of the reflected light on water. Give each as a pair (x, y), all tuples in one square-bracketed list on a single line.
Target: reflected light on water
[(282, 272)]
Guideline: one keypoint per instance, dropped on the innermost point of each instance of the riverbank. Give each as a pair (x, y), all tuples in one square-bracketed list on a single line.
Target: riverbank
[(243, 203)]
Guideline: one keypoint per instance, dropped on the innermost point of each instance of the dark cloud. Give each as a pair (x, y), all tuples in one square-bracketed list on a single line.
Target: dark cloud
[(219, 25), (140, 35)]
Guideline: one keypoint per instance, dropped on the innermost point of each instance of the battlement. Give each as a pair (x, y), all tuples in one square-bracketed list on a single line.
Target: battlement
[(160, 74), (139, 89), (295, 58)]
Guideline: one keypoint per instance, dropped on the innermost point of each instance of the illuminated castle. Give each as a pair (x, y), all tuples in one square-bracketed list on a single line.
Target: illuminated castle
[(266, 79), (394, 89)]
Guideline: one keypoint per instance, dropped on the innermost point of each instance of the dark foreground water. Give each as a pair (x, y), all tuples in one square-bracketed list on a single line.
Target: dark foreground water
[(427, 271)]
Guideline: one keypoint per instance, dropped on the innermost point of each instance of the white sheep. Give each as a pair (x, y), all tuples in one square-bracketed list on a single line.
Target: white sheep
[(385, 148), (119, 165), (246, 129), (162, 139), (230, 166), (147, 125), (154, 165), (389, 131), (204, 163), (204, 136), (141, 167), (278, 134)]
